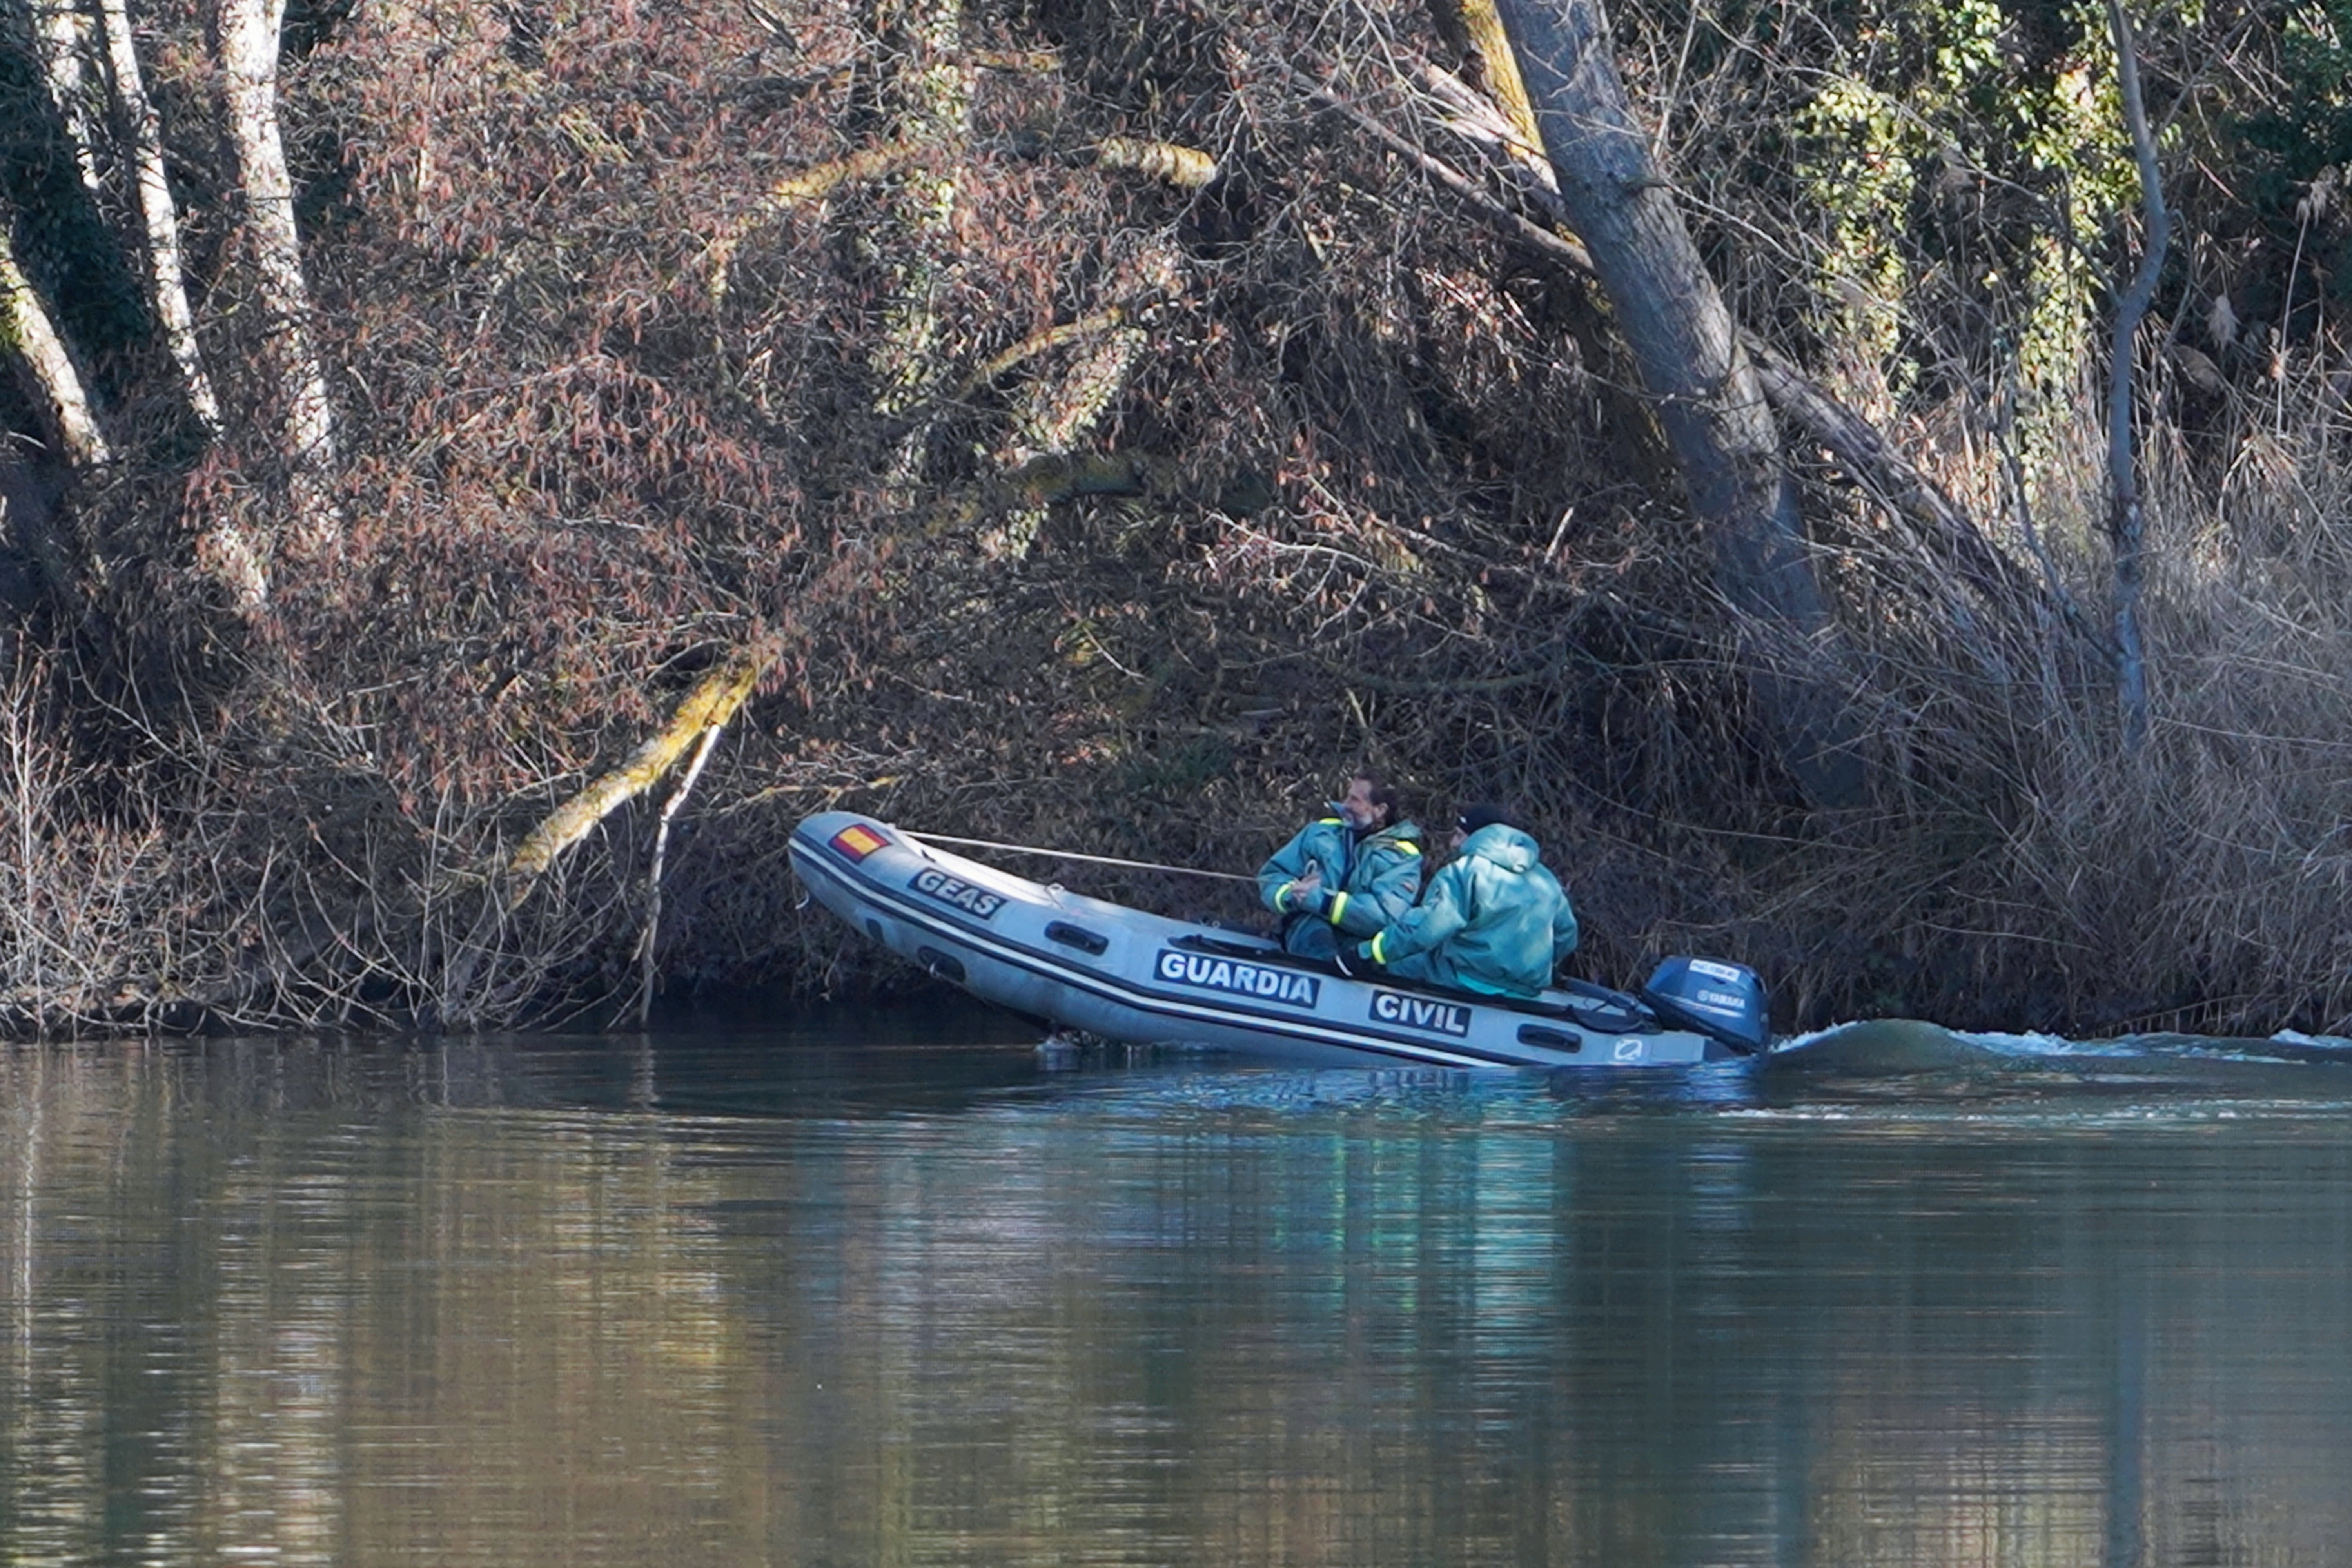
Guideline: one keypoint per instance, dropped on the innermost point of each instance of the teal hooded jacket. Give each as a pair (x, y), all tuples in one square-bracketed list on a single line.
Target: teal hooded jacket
[(1494, 920), (1367, 882)]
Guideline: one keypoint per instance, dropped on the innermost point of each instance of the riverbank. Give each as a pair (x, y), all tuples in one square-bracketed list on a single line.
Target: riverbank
[(548, 462), (2085, 893)]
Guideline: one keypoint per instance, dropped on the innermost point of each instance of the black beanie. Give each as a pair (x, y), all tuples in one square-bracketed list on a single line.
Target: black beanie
[(1486, 814)]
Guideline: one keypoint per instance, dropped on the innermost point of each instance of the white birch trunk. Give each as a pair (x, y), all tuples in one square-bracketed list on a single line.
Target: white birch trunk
[(167, 270), (61, 33), (248, 34), (25, 321)]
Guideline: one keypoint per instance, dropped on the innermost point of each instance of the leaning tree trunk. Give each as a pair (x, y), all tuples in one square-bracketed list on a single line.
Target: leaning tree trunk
[(25, 323), (28, 335), (1706, 393), (248, 34)]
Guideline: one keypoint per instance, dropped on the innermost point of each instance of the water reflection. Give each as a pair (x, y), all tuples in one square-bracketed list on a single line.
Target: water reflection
[(866, 1295)]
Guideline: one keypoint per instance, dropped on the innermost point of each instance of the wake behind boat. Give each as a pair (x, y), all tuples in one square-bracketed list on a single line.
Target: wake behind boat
[(1143, 979)]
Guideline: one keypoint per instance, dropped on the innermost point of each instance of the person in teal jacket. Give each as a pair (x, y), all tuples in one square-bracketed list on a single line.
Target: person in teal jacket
[(1494, 920), (1343, 877)]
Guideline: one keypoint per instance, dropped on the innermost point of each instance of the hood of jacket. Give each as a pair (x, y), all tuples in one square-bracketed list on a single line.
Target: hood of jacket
[(1500, 844)]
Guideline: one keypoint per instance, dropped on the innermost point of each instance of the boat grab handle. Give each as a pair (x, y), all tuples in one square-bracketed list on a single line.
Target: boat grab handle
[(1078, 937)]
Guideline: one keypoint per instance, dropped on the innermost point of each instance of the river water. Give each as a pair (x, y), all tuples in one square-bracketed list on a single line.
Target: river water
[(891, 1288)]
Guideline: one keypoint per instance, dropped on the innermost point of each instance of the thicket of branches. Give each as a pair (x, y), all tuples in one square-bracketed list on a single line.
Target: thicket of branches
[(1098, 425)]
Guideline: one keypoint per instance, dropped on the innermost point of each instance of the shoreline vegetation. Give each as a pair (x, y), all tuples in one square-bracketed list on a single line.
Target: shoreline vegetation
[(1869, 483)]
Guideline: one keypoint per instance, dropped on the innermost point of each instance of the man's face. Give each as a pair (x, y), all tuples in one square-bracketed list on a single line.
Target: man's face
[(1358, 808)]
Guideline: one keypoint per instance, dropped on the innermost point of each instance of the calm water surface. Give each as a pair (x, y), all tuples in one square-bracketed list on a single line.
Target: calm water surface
[(881, 1289)]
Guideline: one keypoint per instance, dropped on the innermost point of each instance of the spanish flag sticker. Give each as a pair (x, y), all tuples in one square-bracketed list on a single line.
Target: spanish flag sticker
[(856, 841)]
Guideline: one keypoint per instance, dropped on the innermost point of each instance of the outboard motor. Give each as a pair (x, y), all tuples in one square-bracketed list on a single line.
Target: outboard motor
[(1722, 1001)]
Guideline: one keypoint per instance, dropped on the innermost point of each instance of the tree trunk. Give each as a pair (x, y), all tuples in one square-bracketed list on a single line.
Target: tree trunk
[(61, 38), (25, 324), (1701, 385), (166, 271), (2126, 520), (248, 37)]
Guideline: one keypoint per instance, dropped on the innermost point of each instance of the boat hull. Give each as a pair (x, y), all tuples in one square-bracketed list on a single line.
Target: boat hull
[(1132, 976)]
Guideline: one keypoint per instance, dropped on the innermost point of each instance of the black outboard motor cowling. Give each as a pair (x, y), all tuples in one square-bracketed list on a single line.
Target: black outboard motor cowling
[(1722, 1001)]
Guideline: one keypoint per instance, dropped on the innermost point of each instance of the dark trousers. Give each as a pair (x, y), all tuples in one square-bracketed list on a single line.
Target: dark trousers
[(1310, 936)]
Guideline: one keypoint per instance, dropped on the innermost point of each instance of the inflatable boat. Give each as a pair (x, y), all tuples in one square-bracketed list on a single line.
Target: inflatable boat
[(1127, 975)]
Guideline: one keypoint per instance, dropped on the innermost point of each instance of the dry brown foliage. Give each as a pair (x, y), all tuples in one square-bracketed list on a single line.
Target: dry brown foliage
[(1196, 494)]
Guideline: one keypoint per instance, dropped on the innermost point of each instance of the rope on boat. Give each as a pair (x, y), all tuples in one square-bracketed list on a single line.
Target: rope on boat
[(1074, 855)]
